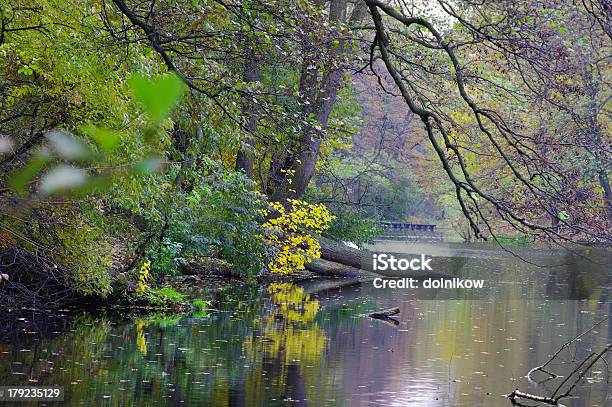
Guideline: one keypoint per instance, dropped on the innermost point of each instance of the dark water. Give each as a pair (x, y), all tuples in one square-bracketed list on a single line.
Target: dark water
[(306, 345)]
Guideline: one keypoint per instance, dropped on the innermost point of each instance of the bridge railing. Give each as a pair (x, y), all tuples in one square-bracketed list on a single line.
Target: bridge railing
[(413, 227)]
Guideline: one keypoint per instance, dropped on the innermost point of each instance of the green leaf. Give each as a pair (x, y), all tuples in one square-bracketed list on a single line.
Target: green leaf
[(158, 96), (107, 139), (19, 180), (26, 70)]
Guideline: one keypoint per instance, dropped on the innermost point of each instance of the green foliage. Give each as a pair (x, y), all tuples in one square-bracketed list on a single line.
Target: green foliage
[(89, 267), (353, 225), (217, 215), (200, 305), (230, 219), (155, 297), (166, 258), (169, 295), (158, 96)]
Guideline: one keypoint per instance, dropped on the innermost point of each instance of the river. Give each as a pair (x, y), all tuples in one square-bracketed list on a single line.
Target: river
[(309, 343)]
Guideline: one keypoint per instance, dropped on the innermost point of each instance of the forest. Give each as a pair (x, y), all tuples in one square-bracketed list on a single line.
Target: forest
[(142, 139)]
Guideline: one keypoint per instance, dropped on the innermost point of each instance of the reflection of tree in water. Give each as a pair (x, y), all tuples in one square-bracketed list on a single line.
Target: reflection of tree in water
[(172, 358), (290, 347), (141, 342), (582, 276)]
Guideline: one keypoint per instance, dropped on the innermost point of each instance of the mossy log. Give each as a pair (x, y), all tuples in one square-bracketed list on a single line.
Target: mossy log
[(337, 255), (332, 269), (338, 252)]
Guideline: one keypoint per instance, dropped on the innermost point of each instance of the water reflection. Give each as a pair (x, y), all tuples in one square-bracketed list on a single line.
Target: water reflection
[(301, 345), (286, 350)]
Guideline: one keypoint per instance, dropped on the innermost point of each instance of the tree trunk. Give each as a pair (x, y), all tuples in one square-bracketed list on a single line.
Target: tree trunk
[(605, 185), (291, 174), (338, 252), (245, 158), (328, 268), (597, 147)]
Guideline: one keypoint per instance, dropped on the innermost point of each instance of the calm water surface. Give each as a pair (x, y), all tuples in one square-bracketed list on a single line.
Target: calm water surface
[(310, 345)]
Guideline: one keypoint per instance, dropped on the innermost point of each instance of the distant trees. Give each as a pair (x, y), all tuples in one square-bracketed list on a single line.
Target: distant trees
[(491, 83)]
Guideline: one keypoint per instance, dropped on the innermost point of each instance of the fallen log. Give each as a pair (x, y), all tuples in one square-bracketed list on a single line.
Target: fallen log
[(389, 321), (339, 253), (385, 313), (332, 269)]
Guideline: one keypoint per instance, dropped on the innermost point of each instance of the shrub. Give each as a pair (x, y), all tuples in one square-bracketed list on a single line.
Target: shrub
[(200, 305), (166, 258), (218, 214), (157, 297), (290, 233)]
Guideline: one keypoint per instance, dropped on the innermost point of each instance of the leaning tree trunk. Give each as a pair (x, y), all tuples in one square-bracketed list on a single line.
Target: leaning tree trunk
[(338, 252), (328, 268), (341, 260)]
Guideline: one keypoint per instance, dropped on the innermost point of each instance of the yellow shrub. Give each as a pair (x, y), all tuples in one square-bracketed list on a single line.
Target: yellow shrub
[(290, 232), (143, 276)]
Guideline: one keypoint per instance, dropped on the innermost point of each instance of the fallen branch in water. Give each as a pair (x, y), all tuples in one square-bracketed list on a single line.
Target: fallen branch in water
[(595, 358), (575, 375), (389, 321), (519, 394), (386, 313), (541, 368)]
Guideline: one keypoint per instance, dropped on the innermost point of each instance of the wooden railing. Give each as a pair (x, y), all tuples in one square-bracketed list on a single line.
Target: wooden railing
[(412, 227)]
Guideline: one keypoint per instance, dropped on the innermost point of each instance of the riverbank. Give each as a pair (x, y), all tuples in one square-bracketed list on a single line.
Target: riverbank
[(176, 293)]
